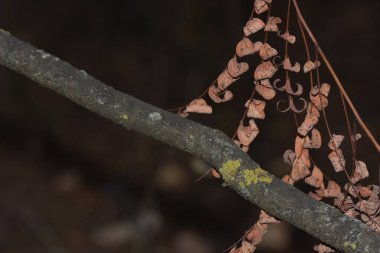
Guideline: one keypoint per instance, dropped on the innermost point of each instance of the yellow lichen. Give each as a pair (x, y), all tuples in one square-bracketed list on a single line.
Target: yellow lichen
[(256, 175), (350, 245), (124, 116), (229, 169)]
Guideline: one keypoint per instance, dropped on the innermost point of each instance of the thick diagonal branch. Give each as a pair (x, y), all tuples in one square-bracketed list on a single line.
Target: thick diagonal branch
[(238, 170)]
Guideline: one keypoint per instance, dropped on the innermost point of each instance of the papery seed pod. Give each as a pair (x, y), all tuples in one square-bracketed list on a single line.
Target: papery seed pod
[(253, 26)]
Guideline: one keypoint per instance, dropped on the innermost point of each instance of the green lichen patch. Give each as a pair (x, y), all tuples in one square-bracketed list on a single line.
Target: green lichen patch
[(350, 245), (124, 116), (255, 176), (229, 169)]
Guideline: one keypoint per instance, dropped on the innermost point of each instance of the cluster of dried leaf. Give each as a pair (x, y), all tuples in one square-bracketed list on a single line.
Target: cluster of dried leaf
[(354, 199)]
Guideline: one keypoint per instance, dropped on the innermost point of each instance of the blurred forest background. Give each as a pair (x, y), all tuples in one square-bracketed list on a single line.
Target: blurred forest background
[(72, 182)]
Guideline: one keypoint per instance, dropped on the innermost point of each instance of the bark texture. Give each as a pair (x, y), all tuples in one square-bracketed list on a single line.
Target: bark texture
[(240, 172)]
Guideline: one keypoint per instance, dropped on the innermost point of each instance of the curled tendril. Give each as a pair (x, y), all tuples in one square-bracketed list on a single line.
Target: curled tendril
[(276, 86), (275, 64), (289, 89), (292, 106)]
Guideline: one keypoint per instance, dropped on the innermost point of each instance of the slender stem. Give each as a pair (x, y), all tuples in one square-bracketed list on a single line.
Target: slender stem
[(335, 77)]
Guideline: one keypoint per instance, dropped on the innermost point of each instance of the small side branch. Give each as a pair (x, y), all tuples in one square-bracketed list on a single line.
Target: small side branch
[(239, 171)]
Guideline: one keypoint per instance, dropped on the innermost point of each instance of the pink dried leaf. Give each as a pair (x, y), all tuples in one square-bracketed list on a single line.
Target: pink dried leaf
[(267, 219), (236, 69), (336, 141), (319, 97), (301, 166), (316, 178), (246, 247), (255, 235), (289, 156), (272, 24), (215, 94), (246, 47), (352, 213), (315, 196), (310, 65), (298, 146), (351, 189), (288, 37), (253, 26), (308, 124), (261, 6), (332, 190), (360, 172), (255, 109), (288, 66), (267, 52), (315, 141), (365, 192), (313, 110), (182, 113), (337, 160), (199, 106), (288, 179), (289, 89), (265, 70), (371, 208), (265, 89), (344, 203), (215, 173), (246, 134), (321, 248), (225, 80)]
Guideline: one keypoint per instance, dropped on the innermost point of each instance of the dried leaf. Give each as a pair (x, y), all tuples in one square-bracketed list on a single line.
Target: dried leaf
[(352, 213), (236, 69), (266, 51), (333, 190), (289, 156), (288, 37), (246, 134), (315, 196), (344, 203), (255, 109), (365, 192), (265, 70), (225, 80), (360, 172), (371, 208), (288, 66), (315, 141), (215, 173), (337, 159), (255, 235), (272, 23), (301, 166), (313, 110), (182, 113), (335, 141), (253, 26), (215, 93), (199, 106), (320, 97), (316, 178), (351, 189), (265, 89), (246, 47), (267, 219), (261, 6), (323, 249), (310, 65), (288, 179), (308, 124)]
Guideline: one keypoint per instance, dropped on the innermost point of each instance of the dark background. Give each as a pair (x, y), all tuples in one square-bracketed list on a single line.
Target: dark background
[(71, 181)]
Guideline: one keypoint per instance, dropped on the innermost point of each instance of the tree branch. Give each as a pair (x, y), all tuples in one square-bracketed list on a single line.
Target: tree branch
[(238, 170)]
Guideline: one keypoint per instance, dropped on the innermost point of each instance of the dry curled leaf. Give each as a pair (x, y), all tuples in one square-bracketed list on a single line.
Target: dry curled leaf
[(198, 106), (267, 52), (215, 94), (255, 109), (308, 124), (246, 247), (288, 179), (321, 248), (332, 190), (272, 24), (246, 47), (215, 173), (289, 156), (288, 66), (365, 192), (265, 70), (344, 203), (253, 26), (371, 208), (267, 219), (255, 235), (246, 134), (315, 196), (236, 69), (315, 141), (265, 89), (336, 141), (316, 178), (351, 213), (360, 172), (337, 159), (225, 80), (288, 37), (310, 65), (319, 97), (301, 166), (313, 110), (261, 6)]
